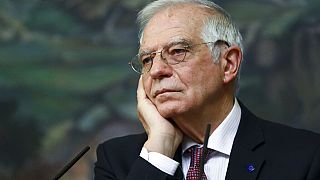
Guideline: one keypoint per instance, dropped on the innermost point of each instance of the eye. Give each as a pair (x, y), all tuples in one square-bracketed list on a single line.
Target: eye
[(177, 51), (146, 59)]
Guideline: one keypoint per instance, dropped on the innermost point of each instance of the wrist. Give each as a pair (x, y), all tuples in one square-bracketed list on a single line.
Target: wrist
[(161, 144)]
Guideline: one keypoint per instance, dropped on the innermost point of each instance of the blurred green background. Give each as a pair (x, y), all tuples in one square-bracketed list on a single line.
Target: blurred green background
[(65, 82)]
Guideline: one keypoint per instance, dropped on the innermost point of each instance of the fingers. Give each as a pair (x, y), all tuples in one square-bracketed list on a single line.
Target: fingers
[(141, 94), (142, 100), (140, 90)]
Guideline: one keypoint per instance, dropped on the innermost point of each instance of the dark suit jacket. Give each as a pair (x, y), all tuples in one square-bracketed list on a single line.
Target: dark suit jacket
[(272, 151)]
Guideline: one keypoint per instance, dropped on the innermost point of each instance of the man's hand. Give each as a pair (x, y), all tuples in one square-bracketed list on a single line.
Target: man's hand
[(163, 136)]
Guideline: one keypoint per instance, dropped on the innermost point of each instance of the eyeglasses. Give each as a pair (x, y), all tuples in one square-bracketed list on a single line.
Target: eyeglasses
[(171, 55)]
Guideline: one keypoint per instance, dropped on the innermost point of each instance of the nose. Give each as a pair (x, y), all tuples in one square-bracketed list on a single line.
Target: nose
[(160, 69)]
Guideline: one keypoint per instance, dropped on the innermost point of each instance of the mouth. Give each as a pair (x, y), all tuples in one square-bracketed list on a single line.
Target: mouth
[(162, 91)]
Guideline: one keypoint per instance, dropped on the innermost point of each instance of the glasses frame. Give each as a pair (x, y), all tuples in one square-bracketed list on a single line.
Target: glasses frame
[(153, 54)]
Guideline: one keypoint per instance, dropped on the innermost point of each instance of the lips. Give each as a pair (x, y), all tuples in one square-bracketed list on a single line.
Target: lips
[(162, 91)]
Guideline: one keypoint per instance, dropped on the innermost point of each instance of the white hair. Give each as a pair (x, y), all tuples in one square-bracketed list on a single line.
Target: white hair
[(217, 25)]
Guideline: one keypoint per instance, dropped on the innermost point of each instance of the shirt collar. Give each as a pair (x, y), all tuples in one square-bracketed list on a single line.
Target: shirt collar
[(221, 139)]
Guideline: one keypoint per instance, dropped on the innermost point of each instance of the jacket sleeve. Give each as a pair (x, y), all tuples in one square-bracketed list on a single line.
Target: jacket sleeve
[(102, 169), (314, 171), (140, 169)]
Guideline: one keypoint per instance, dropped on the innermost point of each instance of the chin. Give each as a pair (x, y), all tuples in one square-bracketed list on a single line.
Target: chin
[(170, 109)]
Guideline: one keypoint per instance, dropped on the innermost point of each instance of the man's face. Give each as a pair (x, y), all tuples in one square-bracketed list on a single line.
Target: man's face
[(190, 86)]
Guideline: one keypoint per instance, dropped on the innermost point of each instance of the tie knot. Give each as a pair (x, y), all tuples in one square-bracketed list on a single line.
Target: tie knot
[(196, 153)]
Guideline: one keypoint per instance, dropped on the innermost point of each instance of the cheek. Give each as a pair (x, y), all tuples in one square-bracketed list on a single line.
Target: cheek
[(194, 81), (202, 81), (198, 77)]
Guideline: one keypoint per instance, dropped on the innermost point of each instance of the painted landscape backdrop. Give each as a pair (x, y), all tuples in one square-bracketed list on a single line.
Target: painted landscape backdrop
[(65, 81)]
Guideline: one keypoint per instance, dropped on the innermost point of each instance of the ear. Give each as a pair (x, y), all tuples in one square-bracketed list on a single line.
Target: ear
[(231, 63)]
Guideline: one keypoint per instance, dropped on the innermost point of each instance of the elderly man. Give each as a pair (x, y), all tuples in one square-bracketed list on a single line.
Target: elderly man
[(189, 60)]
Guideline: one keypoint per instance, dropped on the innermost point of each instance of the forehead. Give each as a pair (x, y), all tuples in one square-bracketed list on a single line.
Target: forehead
[(173, 23)]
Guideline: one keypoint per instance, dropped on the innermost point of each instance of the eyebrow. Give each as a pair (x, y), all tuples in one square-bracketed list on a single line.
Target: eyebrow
[(174, 41), (177, 41)]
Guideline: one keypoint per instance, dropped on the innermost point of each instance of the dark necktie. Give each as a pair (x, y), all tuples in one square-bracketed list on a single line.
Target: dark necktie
[(194, 168)]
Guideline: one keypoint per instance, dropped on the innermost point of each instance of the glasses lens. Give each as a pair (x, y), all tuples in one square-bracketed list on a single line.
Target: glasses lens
[(137, 65), (175, 54)]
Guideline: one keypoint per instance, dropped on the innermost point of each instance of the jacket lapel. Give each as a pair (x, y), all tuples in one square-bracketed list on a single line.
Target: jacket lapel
[(247, 154)]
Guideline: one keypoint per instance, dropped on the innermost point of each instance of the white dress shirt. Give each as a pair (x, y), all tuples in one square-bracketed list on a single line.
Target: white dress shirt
[(221, 141)]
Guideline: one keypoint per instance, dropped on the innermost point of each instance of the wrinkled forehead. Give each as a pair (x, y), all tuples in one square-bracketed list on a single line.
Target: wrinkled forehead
[(183, 21)]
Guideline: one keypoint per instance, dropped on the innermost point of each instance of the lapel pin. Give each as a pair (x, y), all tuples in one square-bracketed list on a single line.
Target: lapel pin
[(250, 168)]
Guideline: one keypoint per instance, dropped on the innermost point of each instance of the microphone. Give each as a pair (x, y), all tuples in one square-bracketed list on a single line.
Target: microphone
[(71, 163), (205, 150)]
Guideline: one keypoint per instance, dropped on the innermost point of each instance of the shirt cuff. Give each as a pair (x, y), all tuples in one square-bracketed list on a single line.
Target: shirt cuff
[(160, 161)]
